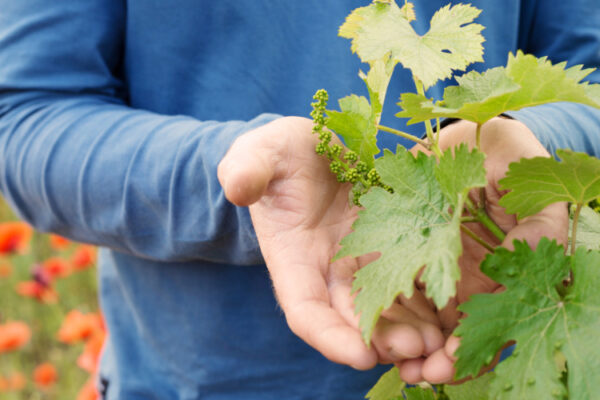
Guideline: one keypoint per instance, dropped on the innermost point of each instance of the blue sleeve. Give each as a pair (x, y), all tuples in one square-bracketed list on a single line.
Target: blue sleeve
[(563, 31), (76, 160)]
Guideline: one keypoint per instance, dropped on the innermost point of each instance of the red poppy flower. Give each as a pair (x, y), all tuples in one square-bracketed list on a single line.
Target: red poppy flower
[(45, 375), (14, 237), (13, 335), (56, 267), (88, 360), (37, 291), (84, 256), (58, 242), (88, 391), (77, 326)]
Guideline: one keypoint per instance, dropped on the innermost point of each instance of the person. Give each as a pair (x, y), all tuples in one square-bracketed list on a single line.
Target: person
[(115, 119)]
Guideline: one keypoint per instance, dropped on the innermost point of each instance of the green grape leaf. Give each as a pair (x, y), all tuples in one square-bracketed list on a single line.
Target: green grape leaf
[(526, 81), (460, 172), (549, 328), (356, 124), (588, 229), (410, 228), (478, 97), (388, 387), (476, 389), (538, 182), (382, 30), (418, 393)]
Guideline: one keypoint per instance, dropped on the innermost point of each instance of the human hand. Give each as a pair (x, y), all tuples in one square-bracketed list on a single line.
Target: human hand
[(300, 213), (504, 141)]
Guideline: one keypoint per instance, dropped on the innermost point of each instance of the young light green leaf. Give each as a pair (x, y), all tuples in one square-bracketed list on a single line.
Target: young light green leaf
[(459, 172), (410, 228), (477, 98), (526, 81), (588, 229), (476, 389), (418, 393), (377, 81), (452, 42), (538, 182), (388, 387), (356, 124), (544, 324)]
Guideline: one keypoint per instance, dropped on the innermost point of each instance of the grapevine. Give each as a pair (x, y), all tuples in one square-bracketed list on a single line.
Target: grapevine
[(425, 206)]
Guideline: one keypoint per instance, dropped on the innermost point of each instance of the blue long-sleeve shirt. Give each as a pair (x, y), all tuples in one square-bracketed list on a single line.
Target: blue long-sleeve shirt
[(114, 116)]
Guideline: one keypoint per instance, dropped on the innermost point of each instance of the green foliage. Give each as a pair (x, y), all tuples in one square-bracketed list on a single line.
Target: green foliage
[(538, 182), (356, 124), (388, 387), (391, 387), (588, 229), (417, 393), (525, 81), (548, 321), (459, 173), (414, 207), (410, 228), (476, 389), (382, 30)]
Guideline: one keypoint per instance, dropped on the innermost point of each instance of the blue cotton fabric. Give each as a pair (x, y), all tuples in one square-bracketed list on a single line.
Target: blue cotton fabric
[(114, 115)]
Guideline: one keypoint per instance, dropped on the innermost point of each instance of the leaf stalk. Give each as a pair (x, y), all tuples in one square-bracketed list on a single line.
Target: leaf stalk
[(484, 219), (476, 237), (404, 135), (574, 230)]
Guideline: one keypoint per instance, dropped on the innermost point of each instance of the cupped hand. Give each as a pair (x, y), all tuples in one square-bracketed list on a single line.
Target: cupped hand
[(300, 213), (504, 141)]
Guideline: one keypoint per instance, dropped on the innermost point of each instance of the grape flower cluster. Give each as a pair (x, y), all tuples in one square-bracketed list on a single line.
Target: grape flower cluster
[(347, 167)]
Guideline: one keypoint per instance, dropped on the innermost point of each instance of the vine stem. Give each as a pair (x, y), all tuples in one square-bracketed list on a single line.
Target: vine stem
[(428, 127), (404, 135), (475, 237), (485, 220), (478, 137), (575, 222)]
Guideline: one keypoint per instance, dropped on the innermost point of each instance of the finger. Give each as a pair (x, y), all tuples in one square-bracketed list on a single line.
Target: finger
[(397, 341), (410, 370), (438, 367), (430, 334), (255, 157), (551, 222), (421, 306), (449, 316), (246, 169), (451, 346), (393, 341), (304, 298)]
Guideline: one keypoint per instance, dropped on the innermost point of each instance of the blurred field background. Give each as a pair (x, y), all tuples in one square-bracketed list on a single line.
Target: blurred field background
[(50, 329)]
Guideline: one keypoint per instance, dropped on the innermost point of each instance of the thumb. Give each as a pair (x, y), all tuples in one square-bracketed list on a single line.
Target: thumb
[(552, 222), (255, 158), (245, 171)]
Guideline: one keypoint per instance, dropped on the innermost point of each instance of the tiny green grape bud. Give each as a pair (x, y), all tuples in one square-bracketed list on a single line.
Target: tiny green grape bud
[(335, 167), (325, 136), (356, 198), (321, 149), (373, 177), (361, 167), (336, 150), (352, 175), (351, 156)]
